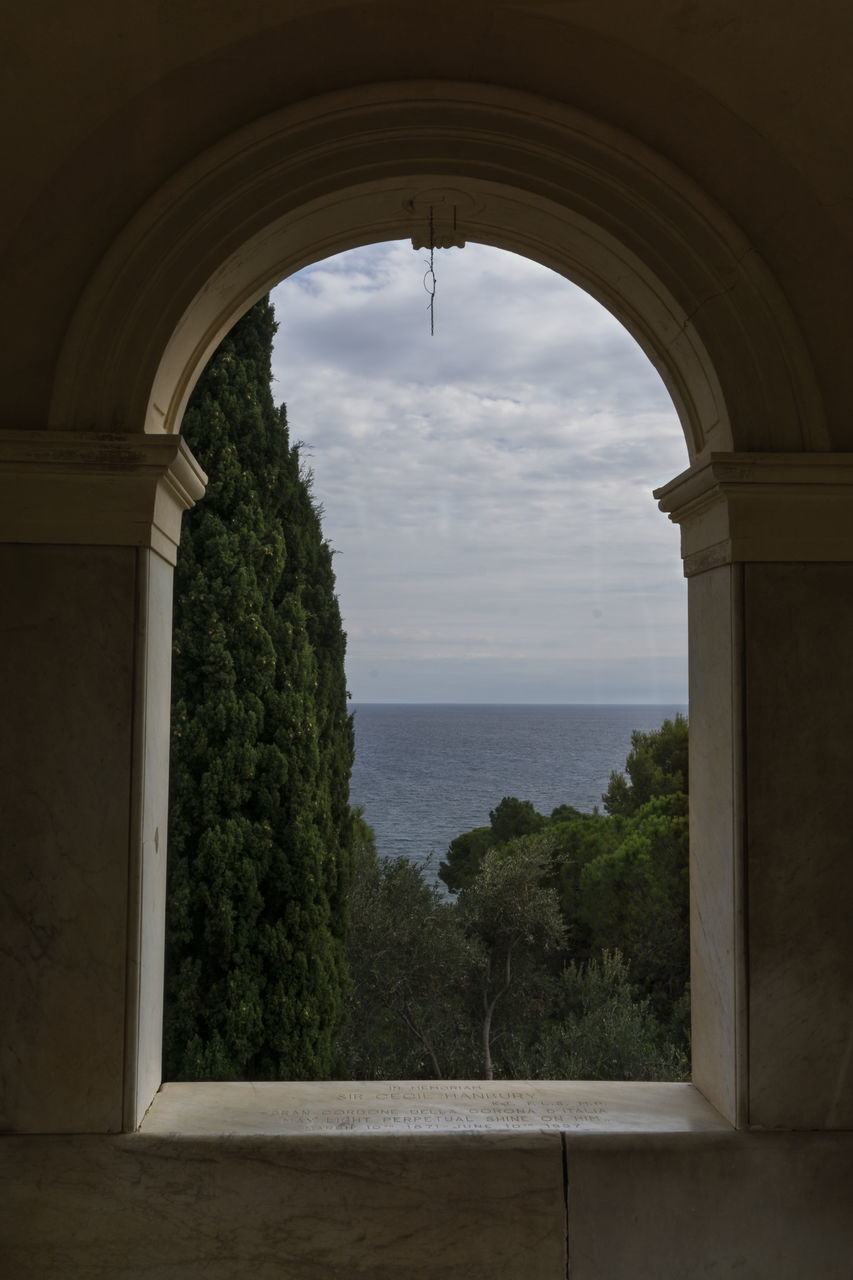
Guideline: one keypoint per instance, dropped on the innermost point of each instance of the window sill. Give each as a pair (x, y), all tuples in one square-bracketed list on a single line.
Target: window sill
[(424, 1107)]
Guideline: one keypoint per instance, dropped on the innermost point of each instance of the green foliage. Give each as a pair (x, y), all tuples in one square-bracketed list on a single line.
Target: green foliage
[(657, 765), (514, 818), (508, 907), (635, 898), (514, 917), (576, 841), (434, 982), (465, 856), (364, 853), (410, 964), (260, 828), (600, 1031), (462, 988), (577, 931), (567, 812)]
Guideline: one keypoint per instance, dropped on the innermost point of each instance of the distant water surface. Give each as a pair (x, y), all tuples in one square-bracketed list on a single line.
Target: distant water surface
[(425, 773)]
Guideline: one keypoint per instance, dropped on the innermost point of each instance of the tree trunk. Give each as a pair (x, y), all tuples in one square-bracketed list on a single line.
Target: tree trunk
[(488, 1069), (488, 1010)]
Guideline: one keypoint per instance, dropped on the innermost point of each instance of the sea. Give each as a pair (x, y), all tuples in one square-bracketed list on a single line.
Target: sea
[(424, 773)]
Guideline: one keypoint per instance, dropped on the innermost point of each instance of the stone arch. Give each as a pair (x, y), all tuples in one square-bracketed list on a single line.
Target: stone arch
[(592, 203), (99, 113), (525, 174)]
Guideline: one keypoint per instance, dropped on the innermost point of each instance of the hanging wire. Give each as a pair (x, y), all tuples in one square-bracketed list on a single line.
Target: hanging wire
[(429, 275)]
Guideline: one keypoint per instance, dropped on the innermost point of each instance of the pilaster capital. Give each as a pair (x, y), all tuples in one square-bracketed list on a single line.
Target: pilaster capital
[(792, 507), (90, 488)]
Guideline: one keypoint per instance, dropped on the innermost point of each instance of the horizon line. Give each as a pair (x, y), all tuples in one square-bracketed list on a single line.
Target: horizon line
[(442, 702)]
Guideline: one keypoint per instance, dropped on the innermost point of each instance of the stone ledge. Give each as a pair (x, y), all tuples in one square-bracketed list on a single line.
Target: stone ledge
[(430, 1107)]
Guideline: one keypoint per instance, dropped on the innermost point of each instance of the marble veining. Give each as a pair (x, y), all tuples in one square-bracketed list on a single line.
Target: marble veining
[(439, 1207)]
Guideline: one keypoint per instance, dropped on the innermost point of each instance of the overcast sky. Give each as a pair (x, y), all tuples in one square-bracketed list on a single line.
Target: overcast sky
[(487, 490)]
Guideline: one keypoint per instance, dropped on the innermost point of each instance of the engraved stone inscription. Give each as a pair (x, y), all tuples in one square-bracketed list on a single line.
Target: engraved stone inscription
[(454, 1107), (448, 1108)]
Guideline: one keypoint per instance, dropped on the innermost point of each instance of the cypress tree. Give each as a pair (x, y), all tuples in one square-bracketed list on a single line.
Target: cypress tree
[(262, 745)]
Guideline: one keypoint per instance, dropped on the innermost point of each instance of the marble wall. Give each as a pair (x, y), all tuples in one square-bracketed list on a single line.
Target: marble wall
[(67, 648), (427, 1207), (300, 1208), (799, 712)]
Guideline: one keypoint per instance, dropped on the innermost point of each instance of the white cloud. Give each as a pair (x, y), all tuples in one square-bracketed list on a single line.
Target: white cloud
[(488, 489)]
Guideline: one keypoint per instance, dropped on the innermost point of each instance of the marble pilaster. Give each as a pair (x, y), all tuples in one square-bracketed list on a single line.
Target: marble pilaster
[(768, 549), (89, 527)]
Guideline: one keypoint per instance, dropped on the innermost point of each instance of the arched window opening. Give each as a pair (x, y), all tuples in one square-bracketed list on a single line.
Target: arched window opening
[(508, 588)]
